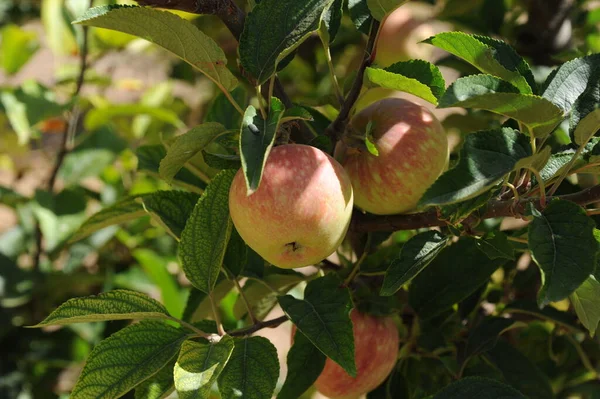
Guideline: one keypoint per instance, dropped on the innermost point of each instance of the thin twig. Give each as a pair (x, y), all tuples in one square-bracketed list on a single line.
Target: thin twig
[(191, 327), (336, 129), (68, 131), (258, 326)]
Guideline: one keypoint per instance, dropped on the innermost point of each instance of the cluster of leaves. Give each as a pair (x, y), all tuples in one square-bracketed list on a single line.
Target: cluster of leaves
[(476, 318)]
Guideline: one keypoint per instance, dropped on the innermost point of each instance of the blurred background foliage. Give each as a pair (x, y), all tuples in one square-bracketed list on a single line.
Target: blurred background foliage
[(136, 98)]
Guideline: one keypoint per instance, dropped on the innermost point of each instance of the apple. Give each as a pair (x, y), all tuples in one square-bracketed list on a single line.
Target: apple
[(376, 345), (400, 33), (301, 211), (413, 152)]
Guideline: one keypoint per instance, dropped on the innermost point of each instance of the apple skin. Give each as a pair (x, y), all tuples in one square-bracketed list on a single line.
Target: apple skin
[(401, 32), (376, 345), (301, 211), (413, 152)]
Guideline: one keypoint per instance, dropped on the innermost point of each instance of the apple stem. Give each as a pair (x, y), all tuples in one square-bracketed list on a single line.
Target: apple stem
[(361, 259), (245, 300), (216, 316)]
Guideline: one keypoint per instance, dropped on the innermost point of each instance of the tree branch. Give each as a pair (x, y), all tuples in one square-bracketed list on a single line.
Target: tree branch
[(370, 223), (258, 326), (336, 129)]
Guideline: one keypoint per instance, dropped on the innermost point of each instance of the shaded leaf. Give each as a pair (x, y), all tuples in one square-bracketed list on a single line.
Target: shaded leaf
[(485, 158), (381, 8), (305, 363), (562, 243), (172, 207), (478, 388), (186, 146), (274, 29), (416, 255), (323, 317), (256, 140), (430, 294), (206, 234), (485, 336), (252, 370), (159, 385)]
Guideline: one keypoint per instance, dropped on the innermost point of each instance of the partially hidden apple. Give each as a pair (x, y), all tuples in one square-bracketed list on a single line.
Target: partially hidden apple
[(376, 345), (301, 211), (412, 151)]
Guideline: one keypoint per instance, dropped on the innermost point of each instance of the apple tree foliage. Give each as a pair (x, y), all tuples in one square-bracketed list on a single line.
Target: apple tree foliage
[(492, 280)]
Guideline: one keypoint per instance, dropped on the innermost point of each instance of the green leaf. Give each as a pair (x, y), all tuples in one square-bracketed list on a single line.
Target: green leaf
[(222, 111), (430, 294), (417, 77), (492, 94), (28, 105), (587, 102), (296, 113), (129, 208), (155, 267), (564, 319), (478, 388), (170, 32), (235, 255), (305, 363), (18, 45), (252, 370), (520, 372), (11, 198), (562, 243), (332, 18), (360, 15), (455, 213), (186, 146), (491, 59), (149, 158), (206, 234), (381, 8), (486, 157), (485, 336), (371, 147), (125, 359), (586, 301), (112, 305), (173, 208), (199, 365), (260, 295), (159, 386), (323, 317), (256, 140), (496, 246), (587, 127), (569, 81), (274, 29), (97, 117), (58, 33), (416, 255)]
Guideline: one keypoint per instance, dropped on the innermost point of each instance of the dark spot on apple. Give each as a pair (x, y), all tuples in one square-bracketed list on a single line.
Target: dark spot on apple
[(294, 245)]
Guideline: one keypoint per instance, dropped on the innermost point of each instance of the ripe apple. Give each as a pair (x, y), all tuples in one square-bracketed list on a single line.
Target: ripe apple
[(376, 345), (413, 152), (301, 211), (401, 32)]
